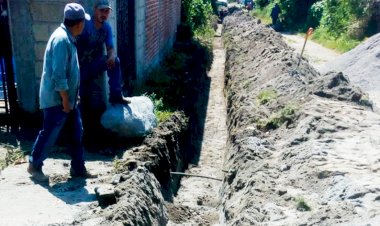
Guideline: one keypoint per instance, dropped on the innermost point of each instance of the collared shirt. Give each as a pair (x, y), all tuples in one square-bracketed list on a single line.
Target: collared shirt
[(60, 69)]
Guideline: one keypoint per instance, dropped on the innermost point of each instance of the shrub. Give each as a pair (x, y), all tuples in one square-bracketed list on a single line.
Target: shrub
[(302, 205), (315, 14), (266, 95), (286, 114), (261, 3)]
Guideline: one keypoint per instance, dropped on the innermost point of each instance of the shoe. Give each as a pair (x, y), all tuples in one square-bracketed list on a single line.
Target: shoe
[(120, 100), (37, 174), (84, 173)]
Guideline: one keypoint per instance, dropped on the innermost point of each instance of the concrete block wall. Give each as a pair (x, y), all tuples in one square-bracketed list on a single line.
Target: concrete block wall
[(139, 38), (31, 24)]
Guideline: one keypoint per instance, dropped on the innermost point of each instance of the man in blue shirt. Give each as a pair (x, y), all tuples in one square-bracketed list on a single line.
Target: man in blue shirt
[(97, 54), (59, 93)]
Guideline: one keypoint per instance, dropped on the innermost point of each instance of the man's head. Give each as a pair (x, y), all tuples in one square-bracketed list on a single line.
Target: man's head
[(74, 16), (102, 10), (74, 11), (102, 4)]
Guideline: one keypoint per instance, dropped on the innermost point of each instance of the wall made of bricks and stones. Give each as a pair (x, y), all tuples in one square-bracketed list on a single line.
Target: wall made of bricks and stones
[(32, 23), (161, 20)]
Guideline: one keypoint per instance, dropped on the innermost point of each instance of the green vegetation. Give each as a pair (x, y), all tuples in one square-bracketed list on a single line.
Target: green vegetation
[(341, 44), (169, 84), (338, 24), (263, 14), (266, 95), (121, 166), (302, 205), (197, 16), (12, 156), (286, 114), (160, 110)]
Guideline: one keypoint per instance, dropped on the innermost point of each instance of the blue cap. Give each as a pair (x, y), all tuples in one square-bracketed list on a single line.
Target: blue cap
[(102, 4), (74, 11)]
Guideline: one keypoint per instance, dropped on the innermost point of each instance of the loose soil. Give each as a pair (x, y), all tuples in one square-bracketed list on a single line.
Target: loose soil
[(306, 156)]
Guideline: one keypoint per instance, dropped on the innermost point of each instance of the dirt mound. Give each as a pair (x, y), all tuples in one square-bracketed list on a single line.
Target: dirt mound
[(298, 141), (362, 65)]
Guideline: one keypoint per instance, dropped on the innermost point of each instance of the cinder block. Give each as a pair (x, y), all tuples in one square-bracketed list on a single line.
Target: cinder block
[(41, 32), (47, 11), (38, 69), (39, 50)]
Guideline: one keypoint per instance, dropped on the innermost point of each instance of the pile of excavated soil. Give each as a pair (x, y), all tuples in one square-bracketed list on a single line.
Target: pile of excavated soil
[(302, 147), (362, 66)]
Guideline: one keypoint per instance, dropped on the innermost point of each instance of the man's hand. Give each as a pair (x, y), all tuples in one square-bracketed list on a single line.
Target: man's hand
[(111, 57), (67, 106), (110, 62), (65, 102)]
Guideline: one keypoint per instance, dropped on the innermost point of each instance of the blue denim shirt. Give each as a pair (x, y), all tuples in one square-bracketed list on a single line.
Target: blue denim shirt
[(60, 69)]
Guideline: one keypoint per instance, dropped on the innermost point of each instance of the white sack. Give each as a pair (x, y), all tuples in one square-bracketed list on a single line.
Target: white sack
[(136, 119)]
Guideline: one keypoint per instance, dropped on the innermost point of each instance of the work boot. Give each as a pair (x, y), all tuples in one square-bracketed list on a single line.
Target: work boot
[(83, 173), (37, 174)]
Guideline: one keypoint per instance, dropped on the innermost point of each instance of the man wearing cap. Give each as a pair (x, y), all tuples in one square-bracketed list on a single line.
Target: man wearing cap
[(58, 95), (94, 60)]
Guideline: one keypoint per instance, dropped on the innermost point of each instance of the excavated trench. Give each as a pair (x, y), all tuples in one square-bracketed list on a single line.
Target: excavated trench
[(274, 150)]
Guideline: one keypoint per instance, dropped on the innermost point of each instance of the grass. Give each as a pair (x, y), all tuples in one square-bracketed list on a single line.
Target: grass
[(263, 15), (286, 114), (341, 44), (120, 166), (302, 205), (160, 110), (12, 156), (266, 95)]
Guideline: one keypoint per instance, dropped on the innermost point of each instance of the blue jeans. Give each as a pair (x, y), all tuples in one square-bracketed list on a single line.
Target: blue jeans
[(54, 121), (90, 71)]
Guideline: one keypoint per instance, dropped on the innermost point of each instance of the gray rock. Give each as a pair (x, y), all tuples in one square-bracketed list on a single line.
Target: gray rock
[(136, 119)]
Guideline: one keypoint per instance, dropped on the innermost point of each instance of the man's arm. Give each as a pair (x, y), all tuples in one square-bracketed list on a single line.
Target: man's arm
[(65, 101), (111, 53), (60, 66)]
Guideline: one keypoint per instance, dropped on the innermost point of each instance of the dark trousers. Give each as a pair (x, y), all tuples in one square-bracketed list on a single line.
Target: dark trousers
[(54, 121), (92, 105), (92, 70)]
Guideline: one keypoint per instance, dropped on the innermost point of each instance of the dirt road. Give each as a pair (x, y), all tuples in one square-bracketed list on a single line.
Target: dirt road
[(23, 202), (314, 52)]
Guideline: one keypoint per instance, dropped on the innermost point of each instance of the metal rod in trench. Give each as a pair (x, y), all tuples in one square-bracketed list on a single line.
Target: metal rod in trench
[(194, 175)]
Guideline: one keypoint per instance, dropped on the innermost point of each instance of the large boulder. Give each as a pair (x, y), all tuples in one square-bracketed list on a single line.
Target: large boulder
[(136, 119)]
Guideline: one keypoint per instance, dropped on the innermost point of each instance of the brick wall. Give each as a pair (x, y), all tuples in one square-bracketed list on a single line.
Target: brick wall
[(161, 20)]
